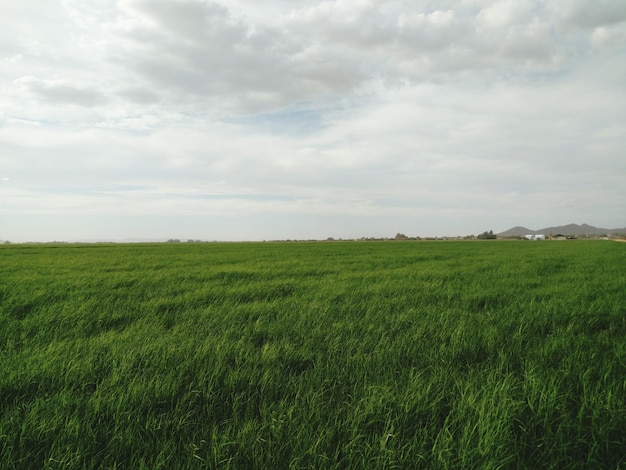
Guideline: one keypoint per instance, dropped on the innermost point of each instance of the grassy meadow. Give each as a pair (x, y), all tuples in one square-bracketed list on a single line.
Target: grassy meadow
[(313, 355)]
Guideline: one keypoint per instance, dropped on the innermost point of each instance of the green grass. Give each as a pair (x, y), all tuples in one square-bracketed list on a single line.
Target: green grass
[(313, 355)]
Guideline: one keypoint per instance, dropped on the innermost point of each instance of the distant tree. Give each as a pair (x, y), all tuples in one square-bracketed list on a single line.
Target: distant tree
[(401, 236), (487, 235)]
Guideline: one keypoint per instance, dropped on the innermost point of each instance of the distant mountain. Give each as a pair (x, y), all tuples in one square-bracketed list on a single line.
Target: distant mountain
[(517, 231), (570, 229)]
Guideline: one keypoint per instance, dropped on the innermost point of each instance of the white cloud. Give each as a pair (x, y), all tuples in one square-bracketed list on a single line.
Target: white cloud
[(609, 36)]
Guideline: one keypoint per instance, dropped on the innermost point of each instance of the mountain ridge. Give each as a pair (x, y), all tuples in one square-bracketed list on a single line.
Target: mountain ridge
[(569, 229)]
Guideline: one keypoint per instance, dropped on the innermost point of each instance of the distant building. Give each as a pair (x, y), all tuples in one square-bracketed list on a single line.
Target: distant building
[(538, 236)]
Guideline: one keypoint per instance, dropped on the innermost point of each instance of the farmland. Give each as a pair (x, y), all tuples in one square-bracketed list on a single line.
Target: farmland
[(313, 355)]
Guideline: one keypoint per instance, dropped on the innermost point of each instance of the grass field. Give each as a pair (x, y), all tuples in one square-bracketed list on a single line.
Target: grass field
[(313, 355)]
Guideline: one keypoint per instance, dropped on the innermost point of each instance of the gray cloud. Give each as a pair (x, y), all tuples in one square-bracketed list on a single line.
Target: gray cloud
[(587, 14), (60, 92), (204, 51), (139, 95), (199, 51)]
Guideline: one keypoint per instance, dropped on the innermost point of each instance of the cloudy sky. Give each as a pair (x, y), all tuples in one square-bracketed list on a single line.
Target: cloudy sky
[(247, 119)]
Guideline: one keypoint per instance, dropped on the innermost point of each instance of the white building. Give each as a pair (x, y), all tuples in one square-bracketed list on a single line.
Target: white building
[(538, 236)]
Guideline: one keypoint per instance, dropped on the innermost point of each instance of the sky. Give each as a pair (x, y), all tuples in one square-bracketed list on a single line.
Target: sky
[(303, 119)]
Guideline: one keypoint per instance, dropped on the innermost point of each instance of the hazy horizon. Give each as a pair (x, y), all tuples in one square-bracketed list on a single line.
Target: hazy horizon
[(389, 236), (231, 120)]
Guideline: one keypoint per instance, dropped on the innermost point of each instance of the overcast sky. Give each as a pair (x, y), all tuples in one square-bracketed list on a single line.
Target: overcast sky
[(250, 120)]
